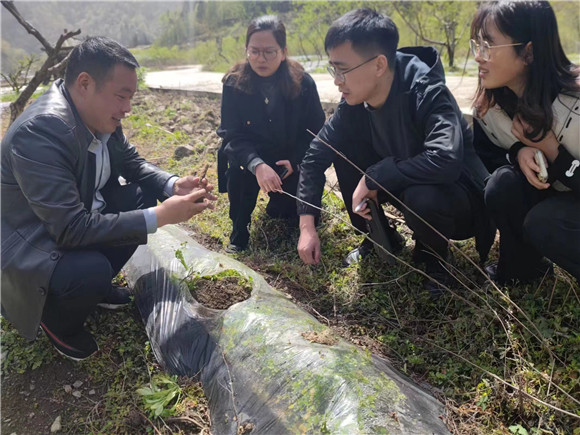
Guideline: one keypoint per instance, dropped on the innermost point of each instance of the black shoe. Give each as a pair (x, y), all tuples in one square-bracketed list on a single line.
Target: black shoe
[(422, 254), (358, 254), (117, 298), (235, 249), (77, 347), (491, 270), (545, 268)]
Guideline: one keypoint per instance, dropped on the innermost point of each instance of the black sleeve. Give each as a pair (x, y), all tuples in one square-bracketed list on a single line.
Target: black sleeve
[(490, 154), (238, 146), (565, 169), (314, 120), (317, 160)]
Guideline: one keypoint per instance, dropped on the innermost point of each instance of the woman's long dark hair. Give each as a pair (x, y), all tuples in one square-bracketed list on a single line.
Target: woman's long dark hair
[(549, 73), (290, 72)]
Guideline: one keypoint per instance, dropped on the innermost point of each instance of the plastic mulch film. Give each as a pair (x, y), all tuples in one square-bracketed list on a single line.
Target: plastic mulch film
[(253, 361)]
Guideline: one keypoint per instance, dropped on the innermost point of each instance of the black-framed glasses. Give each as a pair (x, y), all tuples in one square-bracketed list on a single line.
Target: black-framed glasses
[(268, 53), (340, 75), (484, 48)]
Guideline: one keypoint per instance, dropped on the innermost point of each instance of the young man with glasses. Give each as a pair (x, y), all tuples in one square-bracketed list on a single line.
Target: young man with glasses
[(400, 124)]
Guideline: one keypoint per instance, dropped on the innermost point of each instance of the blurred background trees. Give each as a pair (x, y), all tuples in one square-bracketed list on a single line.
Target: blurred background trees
[(212, 33)]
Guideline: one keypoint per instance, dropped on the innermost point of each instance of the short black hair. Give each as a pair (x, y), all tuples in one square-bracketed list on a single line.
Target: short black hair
[(97, 56), (368, 31)]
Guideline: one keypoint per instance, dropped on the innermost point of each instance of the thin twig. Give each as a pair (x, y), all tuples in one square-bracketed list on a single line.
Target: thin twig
[(542, 340), (394, 309), (496, 377), (552, 294), (198, 423), (151, 423)]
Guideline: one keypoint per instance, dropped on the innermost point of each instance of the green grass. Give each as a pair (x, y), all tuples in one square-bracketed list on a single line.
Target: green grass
[(493, 355), (481, 347), (125, 367), (12, 96)]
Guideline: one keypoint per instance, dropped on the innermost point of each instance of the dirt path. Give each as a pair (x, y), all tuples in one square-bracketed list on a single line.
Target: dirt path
[(193, 79)]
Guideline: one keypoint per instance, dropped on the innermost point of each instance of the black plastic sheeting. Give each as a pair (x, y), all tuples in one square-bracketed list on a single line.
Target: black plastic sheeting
[(254, 364)]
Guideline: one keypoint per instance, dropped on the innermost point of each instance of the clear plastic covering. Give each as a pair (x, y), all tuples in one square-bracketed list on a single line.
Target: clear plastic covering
[(256, 361)]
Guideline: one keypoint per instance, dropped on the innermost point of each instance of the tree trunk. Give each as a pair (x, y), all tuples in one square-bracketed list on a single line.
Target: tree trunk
[(451, 55)]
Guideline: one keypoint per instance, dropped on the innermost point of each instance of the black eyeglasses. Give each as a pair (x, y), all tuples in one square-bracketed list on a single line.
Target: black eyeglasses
[(268, 53), (340, 75)]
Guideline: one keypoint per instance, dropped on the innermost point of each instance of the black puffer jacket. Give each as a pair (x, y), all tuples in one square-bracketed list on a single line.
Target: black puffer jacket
[(249, 130)]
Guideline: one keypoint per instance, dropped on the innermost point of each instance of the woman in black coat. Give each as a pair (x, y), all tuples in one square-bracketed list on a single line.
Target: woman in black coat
[(268, 103)]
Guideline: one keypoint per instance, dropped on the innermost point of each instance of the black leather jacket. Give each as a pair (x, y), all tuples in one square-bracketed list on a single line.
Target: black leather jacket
[(47, 188)]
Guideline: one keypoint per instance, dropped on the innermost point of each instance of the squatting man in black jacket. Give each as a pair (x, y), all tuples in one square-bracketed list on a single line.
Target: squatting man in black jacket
[(398, 122), (68, 225)]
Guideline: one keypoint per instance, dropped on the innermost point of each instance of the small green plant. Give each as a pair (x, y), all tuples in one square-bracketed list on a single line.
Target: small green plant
[(518, 429), (162, 397), (179, 255), (18, 354), (484, 391)]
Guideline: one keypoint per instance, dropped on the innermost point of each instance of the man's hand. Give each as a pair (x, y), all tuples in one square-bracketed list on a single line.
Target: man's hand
[(549, 145), (309, 243), (186, 185), (287, 165), (268, 179), (360, 193), (528, 165), (180, 208)]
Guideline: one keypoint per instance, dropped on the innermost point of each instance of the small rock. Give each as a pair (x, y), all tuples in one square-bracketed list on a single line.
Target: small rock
[(31, 415), (183, 151), (77, 384), (56, 426), (32, 387), (91, 392), (67, 389), (77, 393)]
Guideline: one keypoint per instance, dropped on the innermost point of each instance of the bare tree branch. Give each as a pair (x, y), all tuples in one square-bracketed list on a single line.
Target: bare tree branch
[(55, 61), (12, 9), (417, 31)]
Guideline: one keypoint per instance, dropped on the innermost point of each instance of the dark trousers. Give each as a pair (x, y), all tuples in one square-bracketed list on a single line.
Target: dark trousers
[(447, 207), (532, 224), (82, 278), (243, 192)]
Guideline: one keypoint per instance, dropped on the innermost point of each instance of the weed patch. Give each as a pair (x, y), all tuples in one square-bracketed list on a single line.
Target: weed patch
[(113, 376), (504, 360), (500, 358)]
